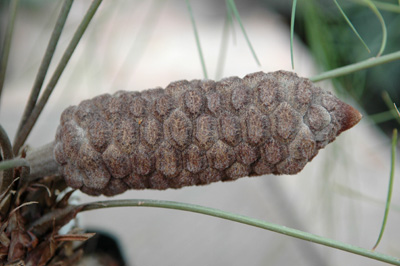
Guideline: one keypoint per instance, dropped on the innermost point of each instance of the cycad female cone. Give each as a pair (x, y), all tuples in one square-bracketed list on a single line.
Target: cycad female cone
[(197, 132)]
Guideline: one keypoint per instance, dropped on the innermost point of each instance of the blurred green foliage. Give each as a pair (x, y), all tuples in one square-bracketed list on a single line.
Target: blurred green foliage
[(333, 44)]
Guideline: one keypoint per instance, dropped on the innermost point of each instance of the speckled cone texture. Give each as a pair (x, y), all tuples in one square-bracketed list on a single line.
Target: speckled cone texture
[(197, 132)]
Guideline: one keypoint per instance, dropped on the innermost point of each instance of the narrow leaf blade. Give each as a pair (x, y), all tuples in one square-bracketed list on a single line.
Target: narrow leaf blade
[(390, 189), (351, 26), (203, 64), (236, 13), (292, 30)]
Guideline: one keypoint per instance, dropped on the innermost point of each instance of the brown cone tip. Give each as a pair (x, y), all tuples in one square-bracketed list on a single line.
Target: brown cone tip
[(349, 117)]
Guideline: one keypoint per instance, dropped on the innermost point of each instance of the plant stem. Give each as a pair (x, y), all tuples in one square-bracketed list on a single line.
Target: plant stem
[(7, 154), (5, 145), (244, 220), (370, 62), (12, 163), (42, 162), (44, 66), (21, 138), (7, 42)]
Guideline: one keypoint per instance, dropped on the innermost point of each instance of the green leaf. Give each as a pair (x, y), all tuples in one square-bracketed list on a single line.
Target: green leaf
[(44, 66), (230, 20), (371, 62), (381, 117), (13, 163), (138, 48), (382, 5), (354, 194), (30, 122), (203, 64), (223, 49), (397, 109), (240, 219), (383, 25), (390, 189), (389, 103), (7, 42), (232, 5), (351, 26), (292, 31), (6, 154)]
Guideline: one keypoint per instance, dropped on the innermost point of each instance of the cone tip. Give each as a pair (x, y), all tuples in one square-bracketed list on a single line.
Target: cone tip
[(351, 117)]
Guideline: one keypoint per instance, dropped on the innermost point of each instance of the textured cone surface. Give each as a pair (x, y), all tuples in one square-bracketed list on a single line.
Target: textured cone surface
[(197, 132)]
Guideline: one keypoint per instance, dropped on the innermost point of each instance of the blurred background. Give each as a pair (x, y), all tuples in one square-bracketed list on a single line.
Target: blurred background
[(136, 45)]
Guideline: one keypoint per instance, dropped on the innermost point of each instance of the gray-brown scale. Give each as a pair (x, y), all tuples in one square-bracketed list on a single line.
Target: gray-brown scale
[(197, 132)]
